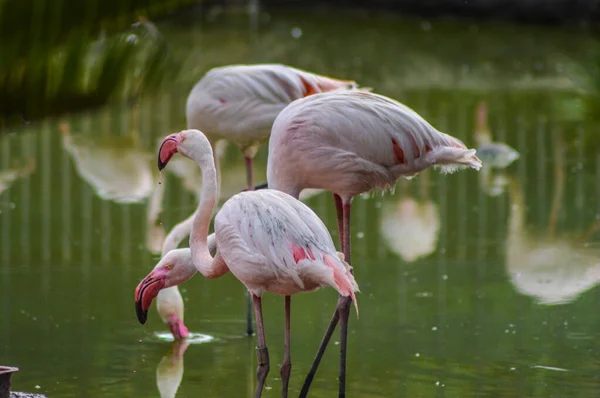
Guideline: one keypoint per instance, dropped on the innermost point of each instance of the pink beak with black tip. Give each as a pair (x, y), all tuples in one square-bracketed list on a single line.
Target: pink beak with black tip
[(167, 149), (145, 292)]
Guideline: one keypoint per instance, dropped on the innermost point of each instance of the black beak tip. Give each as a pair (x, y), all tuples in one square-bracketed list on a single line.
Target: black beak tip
[(142, 315), (161, 165)]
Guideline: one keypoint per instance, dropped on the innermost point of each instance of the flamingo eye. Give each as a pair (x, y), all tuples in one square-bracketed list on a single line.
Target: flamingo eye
[(169, 266)]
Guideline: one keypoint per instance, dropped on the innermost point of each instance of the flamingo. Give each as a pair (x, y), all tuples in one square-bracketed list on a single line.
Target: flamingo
[(239, 103), (269, 240), (169, 302), (351, 142)]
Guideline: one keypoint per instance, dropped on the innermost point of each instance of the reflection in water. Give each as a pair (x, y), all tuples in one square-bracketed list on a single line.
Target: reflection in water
[(7, 177), (169, 371), (553, 269), (193, 338), (494, 155), (114, 167), (411, 227)]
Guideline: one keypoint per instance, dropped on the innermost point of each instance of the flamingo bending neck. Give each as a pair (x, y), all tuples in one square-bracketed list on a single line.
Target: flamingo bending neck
[(195, 146)]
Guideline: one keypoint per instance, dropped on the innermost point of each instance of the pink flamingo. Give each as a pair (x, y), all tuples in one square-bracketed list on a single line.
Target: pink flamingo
[(350, 142), (239, 103), (269, 240), (169, 302)]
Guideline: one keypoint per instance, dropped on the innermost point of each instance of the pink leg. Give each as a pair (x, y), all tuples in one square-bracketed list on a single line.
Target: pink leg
[(339, 207), (342, 310), (249, 173), (262, 353), (346, 235), (250, 185), (286, 366)]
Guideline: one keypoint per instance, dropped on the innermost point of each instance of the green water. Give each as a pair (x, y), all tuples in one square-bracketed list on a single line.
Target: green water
[(464, 293)]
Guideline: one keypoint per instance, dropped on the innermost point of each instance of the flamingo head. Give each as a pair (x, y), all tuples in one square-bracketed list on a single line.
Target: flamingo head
[(173, 269), (192, 144), (178, 328)]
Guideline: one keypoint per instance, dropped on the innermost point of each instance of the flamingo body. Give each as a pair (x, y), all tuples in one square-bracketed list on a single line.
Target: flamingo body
[(273, 242), (350, 142)]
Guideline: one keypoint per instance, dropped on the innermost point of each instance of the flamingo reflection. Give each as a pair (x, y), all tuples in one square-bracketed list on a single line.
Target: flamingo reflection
[(410, 227), (553, 268), (169, 371)]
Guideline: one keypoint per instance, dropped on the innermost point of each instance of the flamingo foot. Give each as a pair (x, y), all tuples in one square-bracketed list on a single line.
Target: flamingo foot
[(178, 328)]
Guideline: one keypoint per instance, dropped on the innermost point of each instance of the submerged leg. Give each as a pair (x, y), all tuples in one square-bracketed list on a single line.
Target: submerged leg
[(286, 366), (343, 304), (250, 187), (262, 353)]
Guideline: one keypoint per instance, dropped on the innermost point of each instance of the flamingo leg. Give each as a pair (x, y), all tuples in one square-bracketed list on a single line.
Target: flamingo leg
[(250, 185), (344, 306), (342, 309), (249, 326), (286, 366), (249, 173), (262, 353), (339, 208)]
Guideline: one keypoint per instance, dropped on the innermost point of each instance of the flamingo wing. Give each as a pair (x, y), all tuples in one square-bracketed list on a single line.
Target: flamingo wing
[(276, 235)]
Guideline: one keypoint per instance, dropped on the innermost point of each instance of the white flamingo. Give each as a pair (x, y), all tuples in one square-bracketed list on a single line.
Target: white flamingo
[(269, 240), (350, 142)]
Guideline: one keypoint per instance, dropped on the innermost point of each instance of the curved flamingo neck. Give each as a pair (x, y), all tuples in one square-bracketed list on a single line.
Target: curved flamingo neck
[(177, 234), (199, 150)]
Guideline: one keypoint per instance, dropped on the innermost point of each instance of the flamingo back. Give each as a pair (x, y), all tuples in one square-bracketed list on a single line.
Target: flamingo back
[(273, 242)]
